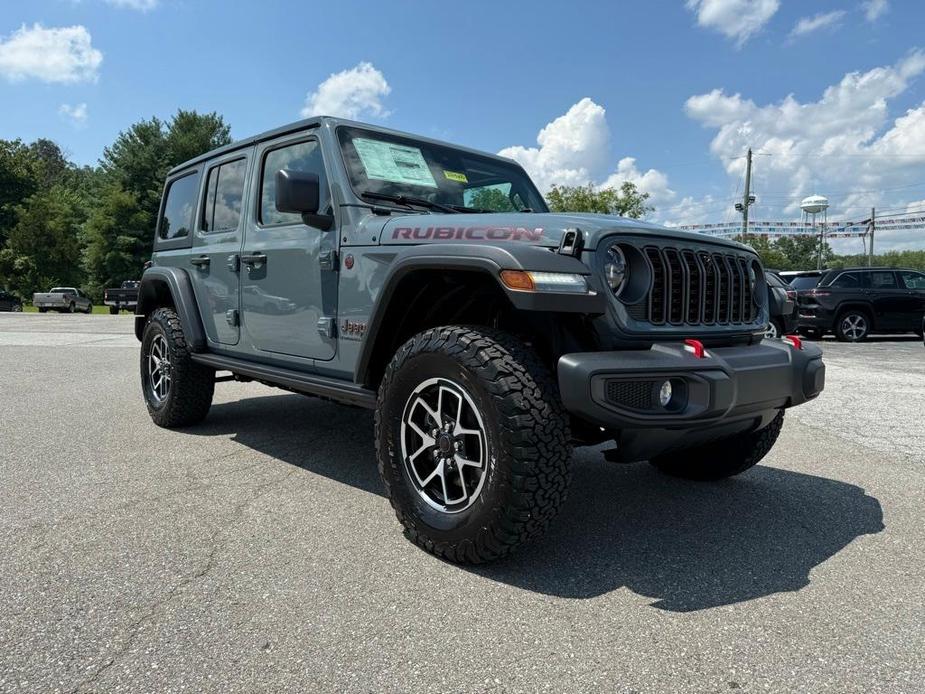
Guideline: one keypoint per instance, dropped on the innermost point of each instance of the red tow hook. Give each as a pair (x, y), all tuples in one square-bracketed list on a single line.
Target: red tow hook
[(794, 341), (695, 347)]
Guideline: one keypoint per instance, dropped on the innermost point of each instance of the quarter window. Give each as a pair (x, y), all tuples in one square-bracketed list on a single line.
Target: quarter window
[(224, 192), (302, 156), (178, 208), (847, 280)]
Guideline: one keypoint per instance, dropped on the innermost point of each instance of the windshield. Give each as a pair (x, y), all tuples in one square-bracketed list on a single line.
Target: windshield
[(804, 282), (385, 168)]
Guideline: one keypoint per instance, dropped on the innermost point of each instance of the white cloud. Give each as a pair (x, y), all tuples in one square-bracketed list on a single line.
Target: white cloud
[(77, 114), (63, 54), (845, 145), (140, 5), (873, 9), (824, 20), (349, 94), (736, 19), (574, 149)]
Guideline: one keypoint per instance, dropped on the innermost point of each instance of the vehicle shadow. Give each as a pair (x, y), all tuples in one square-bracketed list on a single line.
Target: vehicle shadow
[(688, 546)]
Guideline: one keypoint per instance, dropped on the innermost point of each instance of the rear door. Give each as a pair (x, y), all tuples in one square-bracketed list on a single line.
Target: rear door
[(887, 299), (215, 258), (285, 282), (914, 302)]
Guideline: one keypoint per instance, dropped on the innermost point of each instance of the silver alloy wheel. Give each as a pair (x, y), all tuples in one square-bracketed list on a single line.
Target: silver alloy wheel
[(854, 326), (159, 375), (771, 331), (443, 445)]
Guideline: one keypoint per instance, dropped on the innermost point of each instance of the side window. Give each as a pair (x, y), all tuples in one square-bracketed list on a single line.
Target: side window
[(178, 210), (913, 280), (224, 193), (847, 280), (882, 280), (302, 156)]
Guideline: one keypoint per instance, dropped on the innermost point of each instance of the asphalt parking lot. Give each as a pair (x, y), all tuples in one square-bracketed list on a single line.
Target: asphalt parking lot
[(255, 552)]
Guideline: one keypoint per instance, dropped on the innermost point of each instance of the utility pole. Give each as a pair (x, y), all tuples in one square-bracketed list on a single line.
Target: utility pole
[(748, 198), (873, 226)]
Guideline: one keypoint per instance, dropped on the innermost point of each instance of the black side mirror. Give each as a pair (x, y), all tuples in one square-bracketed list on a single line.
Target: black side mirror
[(299, 192)]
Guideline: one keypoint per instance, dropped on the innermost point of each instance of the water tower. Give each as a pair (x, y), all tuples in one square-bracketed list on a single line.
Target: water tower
[(812, 206)]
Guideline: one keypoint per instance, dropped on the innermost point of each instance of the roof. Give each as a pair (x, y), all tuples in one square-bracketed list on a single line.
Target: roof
[(331, 122)]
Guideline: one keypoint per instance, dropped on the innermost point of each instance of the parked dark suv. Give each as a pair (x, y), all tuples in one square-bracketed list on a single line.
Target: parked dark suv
[(853, 302), (8, 302)]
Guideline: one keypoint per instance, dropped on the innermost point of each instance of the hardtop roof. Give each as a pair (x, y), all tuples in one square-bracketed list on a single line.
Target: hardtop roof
[(328, 121)]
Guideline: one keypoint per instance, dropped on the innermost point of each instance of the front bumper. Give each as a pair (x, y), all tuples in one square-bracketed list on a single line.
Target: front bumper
[(727, 391)]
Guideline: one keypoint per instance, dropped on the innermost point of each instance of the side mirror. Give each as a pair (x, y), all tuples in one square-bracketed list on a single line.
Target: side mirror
[(299, 192)]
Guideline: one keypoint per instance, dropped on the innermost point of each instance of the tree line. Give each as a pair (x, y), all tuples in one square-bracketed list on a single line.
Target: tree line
[(92, 226)]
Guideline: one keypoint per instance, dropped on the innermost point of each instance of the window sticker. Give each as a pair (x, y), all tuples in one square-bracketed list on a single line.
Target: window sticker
[(455, 176), (388, 161)]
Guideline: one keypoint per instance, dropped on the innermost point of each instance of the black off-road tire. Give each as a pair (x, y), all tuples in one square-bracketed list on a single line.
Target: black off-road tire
[(191, 385), (113, 310), (721, 459), (72, 308), (42, 309), (527, 469)]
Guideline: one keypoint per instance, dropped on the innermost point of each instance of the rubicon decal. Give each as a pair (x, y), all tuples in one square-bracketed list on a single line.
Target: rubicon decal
[(468, 233)]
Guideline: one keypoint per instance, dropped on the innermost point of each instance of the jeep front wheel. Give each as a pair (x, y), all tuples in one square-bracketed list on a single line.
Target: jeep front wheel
[(724, 458), (472, 442), (177, 390)]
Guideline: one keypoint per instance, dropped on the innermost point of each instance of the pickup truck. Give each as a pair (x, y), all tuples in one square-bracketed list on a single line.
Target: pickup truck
[(62, 299), (123, 297), (430, 283)]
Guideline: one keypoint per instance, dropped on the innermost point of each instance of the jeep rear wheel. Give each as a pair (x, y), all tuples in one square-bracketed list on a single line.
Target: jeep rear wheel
[(177, 390), (852, 326), (472, 442), (724, 458)]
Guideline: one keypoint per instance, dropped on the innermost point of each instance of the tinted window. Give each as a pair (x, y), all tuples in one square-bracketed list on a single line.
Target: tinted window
[(913, 280), (304, 156), (178, 210), (224, 192), (847, 280), (882, 280), (804, 282)]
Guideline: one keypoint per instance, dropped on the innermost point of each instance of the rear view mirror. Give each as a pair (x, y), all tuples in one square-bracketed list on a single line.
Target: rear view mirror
[(300, 192)]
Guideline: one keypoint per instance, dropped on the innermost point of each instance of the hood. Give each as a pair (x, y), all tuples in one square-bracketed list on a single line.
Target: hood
[(537, 229)]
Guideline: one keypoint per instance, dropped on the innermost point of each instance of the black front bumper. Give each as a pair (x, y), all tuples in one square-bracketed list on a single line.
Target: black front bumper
[(729, 390)]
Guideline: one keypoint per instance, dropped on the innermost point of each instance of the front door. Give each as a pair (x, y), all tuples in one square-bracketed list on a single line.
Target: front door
[(282, 281), (214, 262), (914, 302)]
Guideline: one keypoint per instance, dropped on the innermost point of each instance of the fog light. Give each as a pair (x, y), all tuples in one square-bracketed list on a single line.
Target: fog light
[(664, 394)]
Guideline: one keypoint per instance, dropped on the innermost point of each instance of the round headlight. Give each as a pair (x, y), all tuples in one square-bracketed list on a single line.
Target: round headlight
[(616, 270)]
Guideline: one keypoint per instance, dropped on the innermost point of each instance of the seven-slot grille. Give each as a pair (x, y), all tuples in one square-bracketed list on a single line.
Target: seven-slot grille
[(697, 287)]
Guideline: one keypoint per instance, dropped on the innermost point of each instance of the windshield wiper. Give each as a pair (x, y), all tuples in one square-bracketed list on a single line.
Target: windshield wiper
[(407, 200)]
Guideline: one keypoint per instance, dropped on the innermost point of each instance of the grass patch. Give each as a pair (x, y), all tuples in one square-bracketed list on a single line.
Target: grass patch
[(97, 310)]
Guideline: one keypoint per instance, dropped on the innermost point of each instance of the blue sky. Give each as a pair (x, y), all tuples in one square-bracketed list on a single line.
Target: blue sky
[(625, 80)]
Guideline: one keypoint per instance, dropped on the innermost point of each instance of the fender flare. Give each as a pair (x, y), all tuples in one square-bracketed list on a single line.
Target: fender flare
[(175, 282), (490, 260)]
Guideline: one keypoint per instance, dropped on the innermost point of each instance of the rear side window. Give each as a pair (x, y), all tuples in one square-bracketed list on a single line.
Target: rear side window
[(804, 282), (847, 280), (178, 208), (224, 193), (302, 156), (913, 280), (882, 280)]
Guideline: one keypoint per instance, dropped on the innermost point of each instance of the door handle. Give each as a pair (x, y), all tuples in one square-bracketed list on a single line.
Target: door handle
[(255, 259), (201, 262)]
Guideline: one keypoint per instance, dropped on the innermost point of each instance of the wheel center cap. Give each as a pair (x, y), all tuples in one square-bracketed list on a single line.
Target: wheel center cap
[(445, 443)]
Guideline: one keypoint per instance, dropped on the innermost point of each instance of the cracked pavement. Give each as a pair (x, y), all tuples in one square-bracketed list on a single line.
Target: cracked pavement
[(255, 552)]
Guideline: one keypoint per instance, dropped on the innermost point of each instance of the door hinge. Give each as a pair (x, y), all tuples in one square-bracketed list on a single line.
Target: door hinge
[(231, 315), (328, 260), (326, 327), (234, 262)]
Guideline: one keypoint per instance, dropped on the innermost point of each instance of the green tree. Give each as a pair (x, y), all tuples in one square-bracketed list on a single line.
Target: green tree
[(492, 199), (801, 252), (626, 202), (115, 238), (771, 257), (43, 247)]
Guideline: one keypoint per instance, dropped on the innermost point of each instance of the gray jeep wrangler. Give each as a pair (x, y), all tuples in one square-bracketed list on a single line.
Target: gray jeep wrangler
[(431, 284)]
